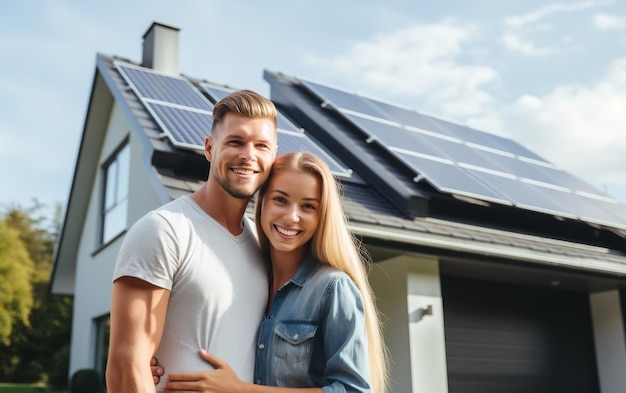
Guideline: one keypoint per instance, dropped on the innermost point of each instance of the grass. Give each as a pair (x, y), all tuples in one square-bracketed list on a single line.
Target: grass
[(26, 388)]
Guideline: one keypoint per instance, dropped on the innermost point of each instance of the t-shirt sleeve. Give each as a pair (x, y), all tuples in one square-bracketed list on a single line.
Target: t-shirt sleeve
[(149, 252)]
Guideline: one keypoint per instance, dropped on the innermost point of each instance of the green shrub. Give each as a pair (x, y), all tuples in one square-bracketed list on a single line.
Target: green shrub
[(59, 369), (86, 380), (28, 372)]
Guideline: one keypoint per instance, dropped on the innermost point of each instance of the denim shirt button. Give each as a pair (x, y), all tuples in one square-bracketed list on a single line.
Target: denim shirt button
[(258, 381), (295, 336), (261, 346)]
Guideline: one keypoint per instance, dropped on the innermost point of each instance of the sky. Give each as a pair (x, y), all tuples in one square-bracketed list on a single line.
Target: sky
[(550, 75)]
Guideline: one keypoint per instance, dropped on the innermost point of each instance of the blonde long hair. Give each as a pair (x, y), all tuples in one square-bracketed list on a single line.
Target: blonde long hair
[(333, 244)]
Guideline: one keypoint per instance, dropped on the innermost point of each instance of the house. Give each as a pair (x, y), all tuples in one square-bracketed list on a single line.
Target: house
[(495, 270)]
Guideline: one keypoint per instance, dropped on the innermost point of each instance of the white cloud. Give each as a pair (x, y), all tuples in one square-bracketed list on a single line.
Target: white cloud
[(609, 22), (517, 43), (520, 30), (419, 62), (520, 21), (576, 127)]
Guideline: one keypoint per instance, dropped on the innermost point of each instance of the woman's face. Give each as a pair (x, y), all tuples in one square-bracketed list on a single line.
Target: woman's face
[(290, 213)]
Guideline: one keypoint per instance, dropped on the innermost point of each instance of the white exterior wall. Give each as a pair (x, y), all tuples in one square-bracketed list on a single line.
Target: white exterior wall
[(93, 271), (405, 287), (610, 343)]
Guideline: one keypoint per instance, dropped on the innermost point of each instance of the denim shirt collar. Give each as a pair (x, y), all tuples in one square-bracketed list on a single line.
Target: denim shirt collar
[(308, 267)]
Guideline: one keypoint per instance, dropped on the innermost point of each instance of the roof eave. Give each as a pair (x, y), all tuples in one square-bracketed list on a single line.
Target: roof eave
[(595, 259)]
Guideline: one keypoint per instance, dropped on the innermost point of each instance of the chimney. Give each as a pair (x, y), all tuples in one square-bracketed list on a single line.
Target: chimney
[(160, 48)]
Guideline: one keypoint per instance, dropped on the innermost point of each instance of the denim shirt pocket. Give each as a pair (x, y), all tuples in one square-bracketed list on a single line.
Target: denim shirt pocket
[(295, 340)]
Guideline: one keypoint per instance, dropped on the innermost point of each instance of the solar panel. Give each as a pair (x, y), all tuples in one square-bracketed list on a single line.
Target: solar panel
[(393, 135), (409, 118), (150, 85), (447, 177), (610, 205), (185, 127), (342, 100), (523, 195), (588, 209), (475, 138), (460, 160), (289, 141)]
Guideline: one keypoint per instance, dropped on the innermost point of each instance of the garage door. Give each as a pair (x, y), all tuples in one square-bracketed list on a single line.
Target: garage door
[(508, 338)]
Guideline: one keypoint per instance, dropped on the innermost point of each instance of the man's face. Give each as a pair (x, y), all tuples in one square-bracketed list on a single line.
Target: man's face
[(241, 153)]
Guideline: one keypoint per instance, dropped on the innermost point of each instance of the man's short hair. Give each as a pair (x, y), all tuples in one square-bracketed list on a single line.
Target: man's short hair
[(245, 103)]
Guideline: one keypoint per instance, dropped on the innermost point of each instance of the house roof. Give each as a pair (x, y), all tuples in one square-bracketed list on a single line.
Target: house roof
[(384, 206)]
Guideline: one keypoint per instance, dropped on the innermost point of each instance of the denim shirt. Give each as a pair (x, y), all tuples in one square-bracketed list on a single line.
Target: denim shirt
[(314, 334)]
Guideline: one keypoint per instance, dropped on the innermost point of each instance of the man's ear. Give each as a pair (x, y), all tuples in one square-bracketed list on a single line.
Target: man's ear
[(208, 146)]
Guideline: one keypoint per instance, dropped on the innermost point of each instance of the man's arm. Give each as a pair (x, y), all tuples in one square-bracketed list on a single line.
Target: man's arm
[(137, 317)]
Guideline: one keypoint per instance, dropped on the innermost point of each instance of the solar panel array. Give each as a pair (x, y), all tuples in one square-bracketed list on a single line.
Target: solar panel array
[(185, 114), (460, 160), (181, 111)]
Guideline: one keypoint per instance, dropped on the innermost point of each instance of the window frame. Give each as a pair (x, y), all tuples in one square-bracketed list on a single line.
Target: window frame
[(113, 213)]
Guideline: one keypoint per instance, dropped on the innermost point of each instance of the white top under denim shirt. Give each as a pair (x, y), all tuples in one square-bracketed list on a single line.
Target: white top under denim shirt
[(314, 334)]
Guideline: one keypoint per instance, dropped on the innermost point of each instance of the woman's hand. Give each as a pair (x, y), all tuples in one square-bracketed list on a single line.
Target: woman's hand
[(221, 380), (156, 369)]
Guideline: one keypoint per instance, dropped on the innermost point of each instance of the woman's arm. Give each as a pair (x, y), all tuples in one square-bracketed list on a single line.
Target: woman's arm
[(222, 380), (346, 366)]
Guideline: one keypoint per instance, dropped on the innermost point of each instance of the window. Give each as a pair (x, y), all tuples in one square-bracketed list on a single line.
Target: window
[(115, 204), (102, 325)]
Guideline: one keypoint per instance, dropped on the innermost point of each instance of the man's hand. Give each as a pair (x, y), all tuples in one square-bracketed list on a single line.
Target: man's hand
[(157, 370)]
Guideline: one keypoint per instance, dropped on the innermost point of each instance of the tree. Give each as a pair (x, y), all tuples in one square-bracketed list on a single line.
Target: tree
[(38, 240), (39, 343), (16, 270)]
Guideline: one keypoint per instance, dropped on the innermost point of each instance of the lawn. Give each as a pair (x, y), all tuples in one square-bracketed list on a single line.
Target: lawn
[(26, 388)]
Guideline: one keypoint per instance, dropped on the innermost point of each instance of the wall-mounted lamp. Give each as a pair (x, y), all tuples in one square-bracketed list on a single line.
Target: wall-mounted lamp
[(420, 313)]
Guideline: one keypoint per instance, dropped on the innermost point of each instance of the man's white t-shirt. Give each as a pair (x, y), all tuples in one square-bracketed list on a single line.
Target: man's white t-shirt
[(218, 285)]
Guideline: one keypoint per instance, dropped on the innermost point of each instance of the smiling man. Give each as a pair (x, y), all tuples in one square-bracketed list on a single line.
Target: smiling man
[(190, 274)]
